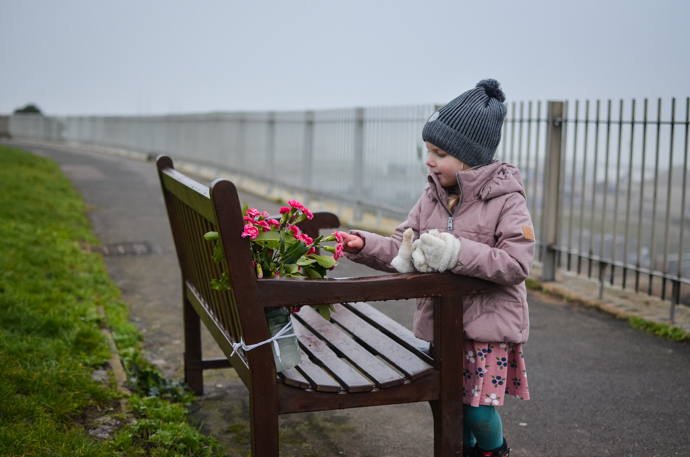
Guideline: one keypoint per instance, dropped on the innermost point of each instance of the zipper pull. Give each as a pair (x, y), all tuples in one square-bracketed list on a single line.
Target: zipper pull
[(450, 224)]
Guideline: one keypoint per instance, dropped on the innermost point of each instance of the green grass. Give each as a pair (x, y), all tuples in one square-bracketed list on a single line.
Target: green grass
[(661, 330), (51, 340)]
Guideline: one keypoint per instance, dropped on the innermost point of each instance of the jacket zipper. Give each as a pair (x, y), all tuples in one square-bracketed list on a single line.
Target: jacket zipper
[(445, 205)]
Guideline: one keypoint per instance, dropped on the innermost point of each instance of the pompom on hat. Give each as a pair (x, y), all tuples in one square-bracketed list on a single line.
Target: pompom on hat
[(469, 126)]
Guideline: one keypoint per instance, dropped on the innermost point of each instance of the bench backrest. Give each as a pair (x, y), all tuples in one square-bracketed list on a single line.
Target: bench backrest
[(193, 210)]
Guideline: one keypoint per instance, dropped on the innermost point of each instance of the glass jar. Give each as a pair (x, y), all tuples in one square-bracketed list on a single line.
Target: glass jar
[(288, 354)]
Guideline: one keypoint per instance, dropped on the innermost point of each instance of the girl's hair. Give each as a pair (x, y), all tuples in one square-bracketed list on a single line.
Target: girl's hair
[(452, 202)]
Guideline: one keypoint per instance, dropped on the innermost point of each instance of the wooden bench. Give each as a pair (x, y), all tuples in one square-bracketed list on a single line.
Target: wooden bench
[(360, 358)]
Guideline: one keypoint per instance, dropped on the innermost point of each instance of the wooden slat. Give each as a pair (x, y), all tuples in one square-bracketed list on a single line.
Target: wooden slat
[(392, 328), (389, 349), (189, 191), (319, 379), (323, 356), (292, 377), (345, 346), (298, 291)]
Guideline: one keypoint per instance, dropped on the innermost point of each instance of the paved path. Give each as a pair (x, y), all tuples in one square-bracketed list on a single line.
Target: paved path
[(599, 388)]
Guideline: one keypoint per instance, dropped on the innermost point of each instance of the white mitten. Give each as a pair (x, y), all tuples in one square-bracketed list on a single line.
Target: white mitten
[(403, 261), (439, 250), (418, 258)]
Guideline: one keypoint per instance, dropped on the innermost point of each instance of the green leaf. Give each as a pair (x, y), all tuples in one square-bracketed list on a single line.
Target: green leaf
[(312, 273), (295, 251), (305, 261), (270, 244), (325, 261), (268, 236), (221, 284), (325, 311), (245, 207), (218, 253), (291, 269)]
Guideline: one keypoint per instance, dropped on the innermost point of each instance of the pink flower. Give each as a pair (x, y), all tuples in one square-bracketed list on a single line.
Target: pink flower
[(295, 231), (250, 231), (306, 238), (338, 251), (285, 210), (298, 206), (264, 214), (264, 225), (312, 250), (338, 236), (295, 204), (253, 212), (248, 219), (273, 222)]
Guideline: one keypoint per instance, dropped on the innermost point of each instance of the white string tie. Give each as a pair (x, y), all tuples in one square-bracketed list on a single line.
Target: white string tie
[(274, 339)]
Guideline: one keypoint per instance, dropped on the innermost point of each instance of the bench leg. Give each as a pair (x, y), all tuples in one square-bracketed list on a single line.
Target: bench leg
[(263, 423), (193, 373), (447, 428), (447, 409)]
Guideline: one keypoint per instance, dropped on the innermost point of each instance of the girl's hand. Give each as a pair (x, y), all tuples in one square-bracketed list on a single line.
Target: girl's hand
[(351, 243)]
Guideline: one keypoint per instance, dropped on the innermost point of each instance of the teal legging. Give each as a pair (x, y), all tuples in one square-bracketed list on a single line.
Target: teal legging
[(483, 424)]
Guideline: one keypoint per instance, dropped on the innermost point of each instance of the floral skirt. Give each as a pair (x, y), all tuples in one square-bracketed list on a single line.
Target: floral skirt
[(492, 371)]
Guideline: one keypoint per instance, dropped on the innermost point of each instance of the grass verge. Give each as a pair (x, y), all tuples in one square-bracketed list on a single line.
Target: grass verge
[(51, 333), (661, 330)]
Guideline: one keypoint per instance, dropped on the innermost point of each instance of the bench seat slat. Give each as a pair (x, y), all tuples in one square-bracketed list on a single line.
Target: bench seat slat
[(318, 378), (392, 328), (292, 377), (389, 349), (383, 375), (323, 356)]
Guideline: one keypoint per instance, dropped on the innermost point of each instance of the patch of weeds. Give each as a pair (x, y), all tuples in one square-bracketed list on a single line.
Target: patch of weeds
[(532, 285), (145, 379), (161, 429), (662, 330)]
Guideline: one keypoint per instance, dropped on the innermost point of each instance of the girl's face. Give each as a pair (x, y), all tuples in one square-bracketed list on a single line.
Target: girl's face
[(444, 165)]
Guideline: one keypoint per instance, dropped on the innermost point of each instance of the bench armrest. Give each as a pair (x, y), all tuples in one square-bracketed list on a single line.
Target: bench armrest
[(275, 292)]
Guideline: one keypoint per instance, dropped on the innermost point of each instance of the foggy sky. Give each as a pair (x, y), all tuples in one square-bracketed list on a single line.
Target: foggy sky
[(158, 57)]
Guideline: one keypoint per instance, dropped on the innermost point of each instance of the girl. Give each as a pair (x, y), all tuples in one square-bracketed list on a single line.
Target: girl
[(472, 219)]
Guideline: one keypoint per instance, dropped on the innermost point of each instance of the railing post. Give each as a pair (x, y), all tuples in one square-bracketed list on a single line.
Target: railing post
[(358, 163), (551, 214), (271, 150), (308, 164)]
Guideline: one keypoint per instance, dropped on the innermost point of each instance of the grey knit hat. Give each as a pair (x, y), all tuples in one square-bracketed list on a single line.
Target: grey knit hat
[(469, 127)]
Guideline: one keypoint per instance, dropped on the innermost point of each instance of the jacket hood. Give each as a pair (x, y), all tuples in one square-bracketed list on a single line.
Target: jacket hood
[(485, 183)]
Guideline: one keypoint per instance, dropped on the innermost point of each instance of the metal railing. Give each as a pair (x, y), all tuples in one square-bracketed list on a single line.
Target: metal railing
[(606, 183), (621, 207)]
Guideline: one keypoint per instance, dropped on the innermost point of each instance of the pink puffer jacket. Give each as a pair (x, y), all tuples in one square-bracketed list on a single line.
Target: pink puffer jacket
[(497, 244)]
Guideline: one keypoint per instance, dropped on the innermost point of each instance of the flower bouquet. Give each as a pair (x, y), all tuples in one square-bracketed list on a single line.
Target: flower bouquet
[(279, 248)]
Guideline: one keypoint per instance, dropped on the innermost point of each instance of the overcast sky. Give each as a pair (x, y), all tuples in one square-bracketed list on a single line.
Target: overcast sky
[(172, 56)]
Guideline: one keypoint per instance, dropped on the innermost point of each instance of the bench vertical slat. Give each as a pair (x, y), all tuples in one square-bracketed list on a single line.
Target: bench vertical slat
[(345, 346), (323, 356), (196, 252)]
